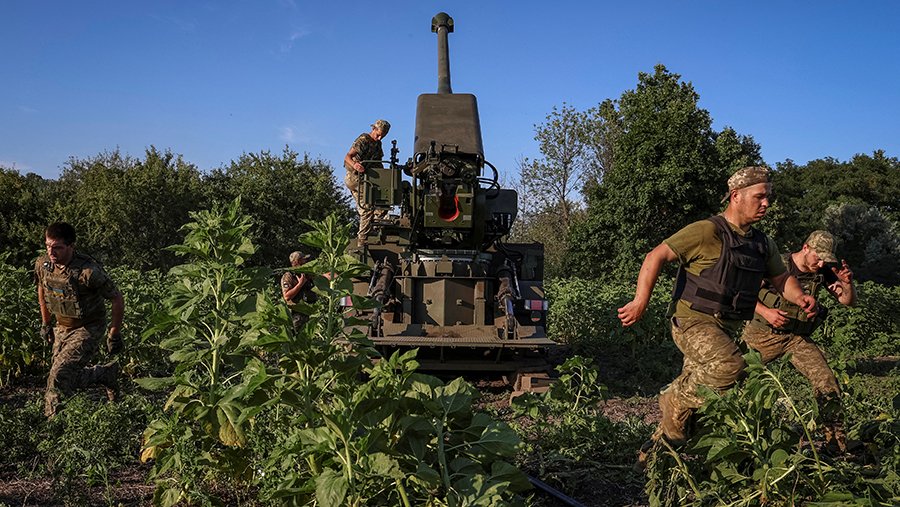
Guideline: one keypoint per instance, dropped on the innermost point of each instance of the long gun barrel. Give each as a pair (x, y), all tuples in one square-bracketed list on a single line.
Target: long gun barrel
[(442, 24)]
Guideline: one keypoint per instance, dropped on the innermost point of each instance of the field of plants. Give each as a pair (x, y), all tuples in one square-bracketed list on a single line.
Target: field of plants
[(224, 403)]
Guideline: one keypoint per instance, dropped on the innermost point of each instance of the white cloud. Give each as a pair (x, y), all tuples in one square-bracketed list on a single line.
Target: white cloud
[(27, 110), (295, 35), (287, 134)]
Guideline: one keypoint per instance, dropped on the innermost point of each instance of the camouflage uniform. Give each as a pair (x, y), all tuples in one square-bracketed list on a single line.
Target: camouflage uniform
[(794, 339), (75, 294), (289, 281), (711, 356), (367, 149)]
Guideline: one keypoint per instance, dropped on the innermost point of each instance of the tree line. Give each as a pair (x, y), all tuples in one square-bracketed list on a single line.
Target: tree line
[(615, 180), (127, 210), (612, 181)]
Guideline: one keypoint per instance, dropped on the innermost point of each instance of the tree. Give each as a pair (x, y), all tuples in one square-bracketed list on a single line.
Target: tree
[(551, 182), (550, 185), (23, 215), (126, 210), (803, 192), (670, 168), (867, 240), (278, 193)]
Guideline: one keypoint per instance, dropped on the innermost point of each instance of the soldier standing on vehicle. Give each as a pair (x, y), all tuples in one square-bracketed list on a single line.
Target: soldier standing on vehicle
[(366, 147), (722, 261), (73, 288), (780, 327), (297, 287)]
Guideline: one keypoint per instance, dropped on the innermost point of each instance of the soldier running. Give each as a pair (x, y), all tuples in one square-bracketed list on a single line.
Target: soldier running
[(72, 287), (780, 327), (723, 261)]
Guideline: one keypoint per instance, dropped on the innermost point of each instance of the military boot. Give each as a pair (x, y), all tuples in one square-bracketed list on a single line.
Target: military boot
[(674, 419), (672, 428), (109, 379), (836, 441)]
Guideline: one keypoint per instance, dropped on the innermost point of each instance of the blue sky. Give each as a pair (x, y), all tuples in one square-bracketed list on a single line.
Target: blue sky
[(211, 80)]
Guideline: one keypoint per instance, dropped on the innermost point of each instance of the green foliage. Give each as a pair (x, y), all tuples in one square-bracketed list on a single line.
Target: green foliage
[(82, 446), (669, 169), (257, 403), (868, 241), (126, 210), (807, 190), (20, 344), (756, 447), (23, 214), (143, 292), (279, 193), (871, 328), (569, 440), (584, 315)]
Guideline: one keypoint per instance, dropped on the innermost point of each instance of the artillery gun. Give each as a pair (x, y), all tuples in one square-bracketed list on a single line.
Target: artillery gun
[(445, 279)]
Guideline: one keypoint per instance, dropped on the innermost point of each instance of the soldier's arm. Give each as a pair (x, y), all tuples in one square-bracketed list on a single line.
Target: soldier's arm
[(843, 289), (118, 313), (792, 291), (652, 265), (290, 294), (351, 159), (45, 313)]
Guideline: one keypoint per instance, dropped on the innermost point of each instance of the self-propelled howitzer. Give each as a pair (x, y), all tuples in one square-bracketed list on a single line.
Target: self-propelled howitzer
[(445, 278)]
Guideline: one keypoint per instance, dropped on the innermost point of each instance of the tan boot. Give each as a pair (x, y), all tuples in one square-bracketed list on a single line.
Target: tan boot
[(835, 439)]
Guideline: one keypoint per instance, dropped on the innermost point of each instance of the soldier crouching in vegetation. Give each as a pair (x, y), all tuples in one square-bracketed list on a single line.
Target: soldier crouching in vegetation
[(297, 287), (723, 261), (72, 287), (780, 327), (366, 147)]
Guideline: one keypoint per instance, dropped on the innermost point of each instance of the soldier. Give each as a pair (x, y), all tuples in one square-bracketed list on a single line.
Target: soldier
[(365, 147), (72, 287), (296, 287), (722, 260), (780, 327)]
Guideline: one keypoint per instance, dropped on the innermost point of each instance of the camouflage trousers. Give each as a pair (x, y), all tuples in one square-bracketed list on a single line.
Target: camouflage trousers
[(806, 357), (367, 212), (73, 349), (711, 359)]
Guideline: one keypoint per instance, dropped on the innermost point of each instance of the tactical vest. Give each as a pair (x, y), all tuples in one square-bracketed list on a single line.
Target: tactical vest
[(62, 292), (798, 323), (728, 290)]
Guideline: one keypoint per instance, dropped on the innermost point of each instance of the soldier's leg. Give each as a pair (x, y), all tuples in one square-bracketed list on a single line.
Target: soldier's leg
[(809, 360), (366, 216), (352, 183), (711, 359), (769, 344), (73, 349), (715, 362)]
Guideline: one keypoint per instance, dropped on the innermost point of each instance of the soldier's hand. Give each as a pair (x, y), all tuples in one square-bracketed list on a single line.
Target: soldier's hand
[(114, 343), (843, 274), (776, 317), (631, 313), (808, 304), (47, 333)]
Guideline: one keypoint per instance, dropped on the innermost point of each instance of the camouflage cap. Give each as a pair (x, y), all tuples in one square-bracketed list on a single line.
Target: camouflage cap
[(383, 125), (822, 242), (745, 177), (298, 256)]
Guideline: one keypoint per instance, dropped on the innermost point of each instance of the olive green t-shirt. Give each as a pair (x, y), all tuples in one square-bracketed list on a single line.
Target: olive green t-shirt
[(698, 247)]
